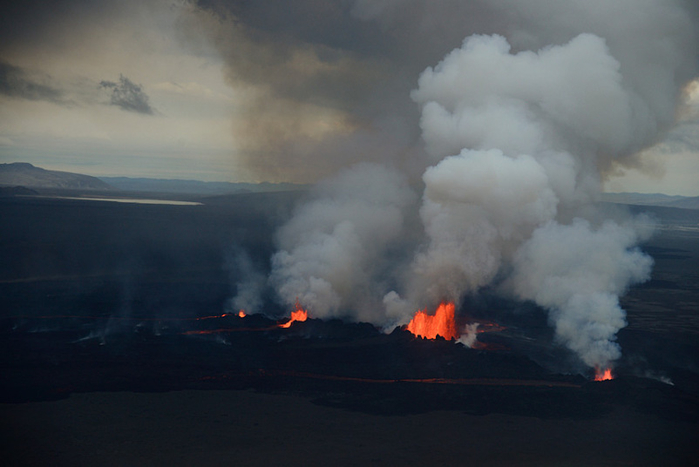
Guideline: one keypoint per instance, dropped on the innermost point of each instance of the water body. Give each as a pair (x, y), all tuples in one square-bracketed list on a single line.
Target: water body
[(128, 200)]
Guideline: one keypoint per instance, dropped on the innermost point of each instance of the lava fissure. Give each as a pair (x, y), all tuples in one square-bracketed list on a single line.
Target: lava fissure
[(452, 381), (442, 323), (299, 314), (603, 375)]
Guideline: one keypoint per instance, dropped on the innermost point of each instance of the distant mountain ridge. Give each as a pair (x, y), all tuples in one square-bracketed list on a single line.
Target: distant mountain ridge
[(195, 186), (652, 199), (23, 174)]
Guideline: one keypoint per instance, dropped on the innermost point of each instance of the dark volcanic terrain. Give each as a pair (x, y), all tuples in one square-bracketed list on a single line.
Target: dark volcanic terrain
[(118, 348)]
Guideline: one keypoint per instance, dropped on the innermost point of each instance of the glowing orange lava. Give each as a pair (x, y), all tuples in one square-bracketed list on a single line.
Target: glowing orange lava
[(298, 315), (603, 375), (440, 324), (211, 317), (242, 314)]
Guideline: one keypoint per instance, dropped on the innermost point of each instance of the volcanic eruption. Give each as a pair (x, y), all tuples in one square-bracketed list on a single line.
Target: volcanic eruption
[(520, 126), (440, 324), (299, 314), (603, 374)]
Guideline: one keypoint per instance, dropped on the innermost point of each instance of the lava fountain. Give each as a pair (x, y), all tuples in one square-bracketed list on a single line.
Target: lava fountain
[(442, 323), (297, 315), (603, 375), (242, 314)]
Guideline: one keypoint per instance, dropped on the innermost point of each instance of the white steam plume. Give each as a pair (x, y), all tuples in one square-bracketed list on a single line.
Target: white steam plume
[(469, 335), (332, 253), (578, 273), (519, 139), (532, 133)]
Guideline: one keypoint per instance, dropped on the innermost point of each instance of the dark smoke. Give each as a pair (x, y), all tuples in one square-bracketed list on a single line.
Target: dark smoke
[(128, 96), (324, 88), (18, 83), (326, 81)]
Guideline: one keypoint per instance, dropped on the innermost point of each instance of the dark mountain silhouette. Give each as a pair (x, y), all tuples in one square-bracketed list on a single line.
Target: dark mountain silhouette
[(157, 185), (27, 175)]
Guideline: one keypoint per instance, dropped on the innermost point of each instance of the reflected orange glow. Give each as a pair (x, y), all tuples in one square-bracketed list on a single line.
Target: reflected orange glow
[(484, 327), (212, 317), (453, 381), (489, 326), (603, 375), (297, 315), (117, 318), (440, 324), (242, 314)]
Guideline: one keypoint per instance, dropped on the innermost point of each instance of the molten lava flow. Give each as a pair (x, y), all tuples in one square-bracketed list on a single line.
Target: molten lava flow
[(454, 381), (212, 317), (603, 375), (489, 326), (242, 314), (298, 315), (441, 324)]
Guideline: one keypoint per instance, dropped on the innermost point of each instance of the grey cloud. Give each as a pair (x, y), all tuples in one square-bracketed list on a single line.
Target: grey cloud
[(128, 96), (18, 83), (49, 24), (684, 137), (297, 62), (333, 58)]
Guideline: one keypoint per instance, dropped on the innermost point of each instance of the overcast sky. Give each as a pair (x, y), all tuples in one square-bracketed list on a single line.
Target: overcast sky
[(277, 90)]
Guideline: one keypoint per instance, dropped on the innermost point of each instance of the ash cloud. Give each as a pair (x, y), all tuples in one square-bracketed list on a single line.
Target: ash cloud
[(128, 96), (325, 82), (324, 88)]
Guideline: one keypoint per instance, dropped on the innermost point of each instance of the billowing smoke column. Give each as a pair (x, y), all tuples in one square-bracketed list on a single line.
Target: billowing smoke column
[(531, 131), (578, 271), (519, 132), (334, 252)]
